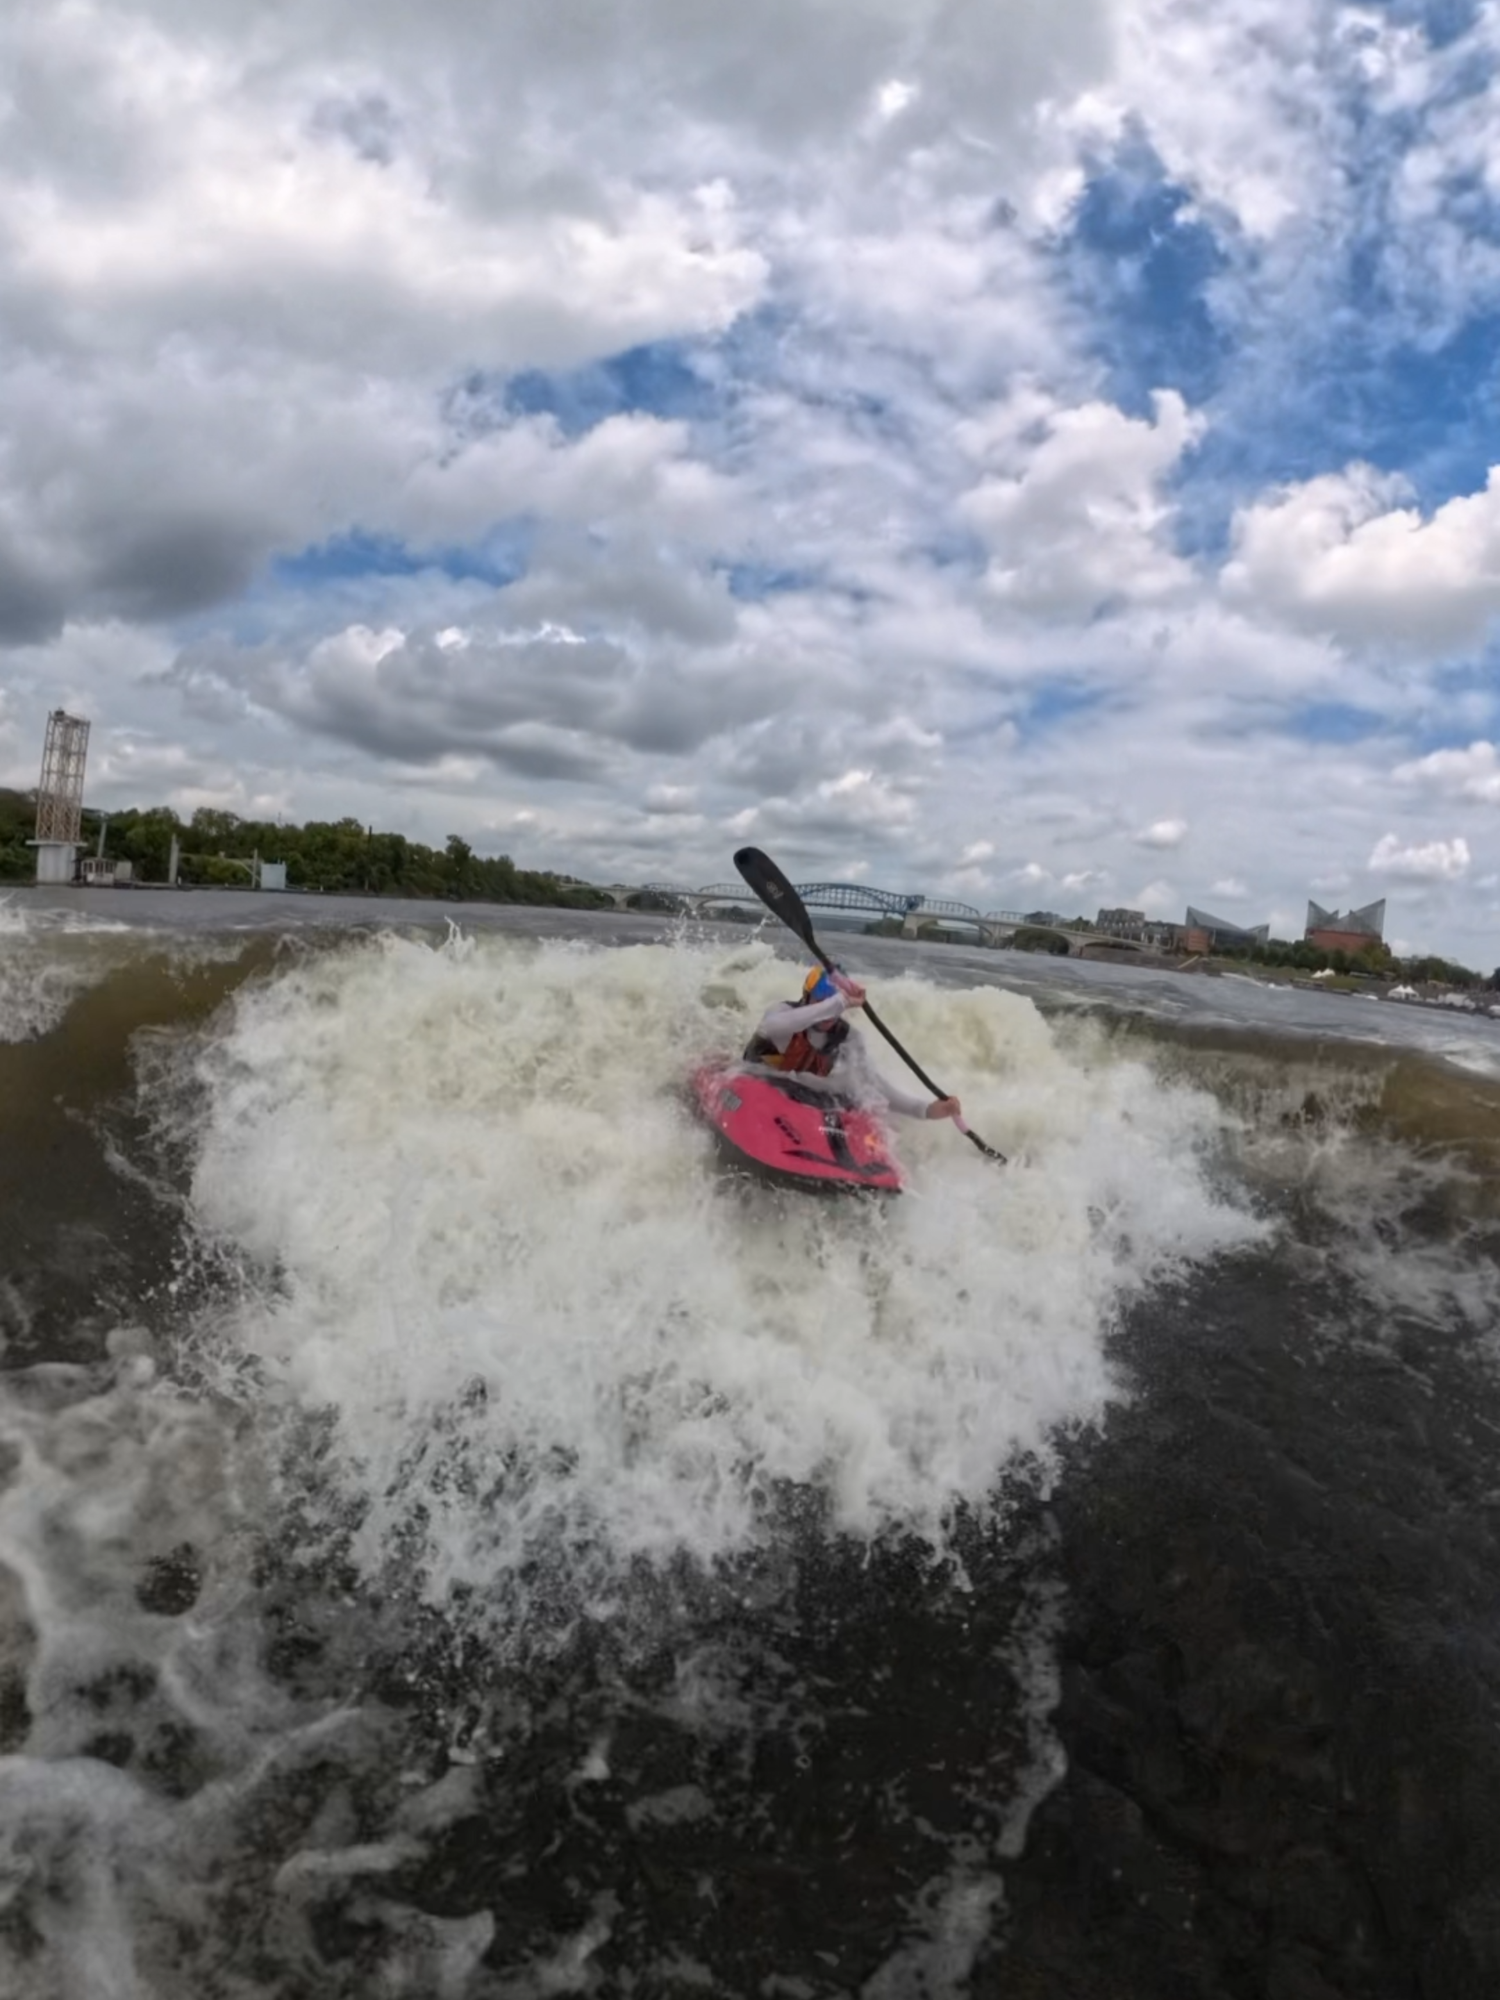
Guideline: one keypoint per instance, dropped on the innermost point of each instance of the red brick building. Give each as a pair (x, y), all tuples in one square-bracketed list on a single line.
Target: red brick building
[(1351, 930)]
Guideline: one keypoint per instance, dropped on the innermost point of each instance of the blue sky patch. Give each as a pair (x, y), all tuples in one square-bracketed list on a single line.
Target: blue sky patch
[(658, 379), (499, 560), (1304, 369), (751, 581), (1056, 704), (1140, 265), (1346, 397), (1463, 682), (1442, 21), (1333, 722)]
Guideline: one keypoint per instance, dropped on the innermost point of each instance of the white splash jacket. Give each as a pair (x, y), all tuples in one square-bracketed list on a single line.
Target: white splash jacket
[(847, 1070)]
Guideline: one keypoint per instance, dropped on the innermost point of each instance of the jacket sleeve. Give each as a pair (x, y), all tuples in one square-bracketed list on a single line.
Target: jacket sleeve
[(778, 1024), (872, 1087)]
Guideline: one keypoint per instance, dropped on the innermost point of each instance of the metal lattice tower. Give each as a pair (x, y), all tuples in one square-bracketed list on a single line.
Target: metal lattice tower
[(59, 798)]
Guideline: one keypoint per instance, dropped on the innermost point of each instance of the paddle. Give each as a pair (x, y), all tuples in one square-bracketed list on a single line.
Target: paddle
[(778, 895)]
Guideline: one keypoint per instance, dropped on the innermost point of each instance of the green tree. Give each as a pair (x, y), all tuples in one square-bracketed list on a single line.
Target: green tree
[(458, 866), (144, 839)]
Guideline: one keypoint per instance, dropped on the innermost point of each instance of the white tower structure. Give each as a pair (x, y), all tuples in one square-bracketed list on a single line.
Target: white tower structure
[(59, 798)]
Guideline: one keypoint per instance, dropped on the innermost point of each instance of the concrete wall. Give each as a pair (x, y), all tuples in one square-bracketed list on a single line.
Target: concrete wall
[(55, 860)]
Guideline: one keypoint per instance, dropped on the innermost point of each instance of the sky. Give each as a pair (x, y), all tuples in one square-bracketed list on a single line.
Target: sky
[(1044, 455)]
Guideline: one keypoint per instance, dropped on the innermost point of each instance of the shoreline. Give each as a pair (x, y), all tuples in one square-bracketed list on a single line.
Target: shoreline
[(1446, 999)]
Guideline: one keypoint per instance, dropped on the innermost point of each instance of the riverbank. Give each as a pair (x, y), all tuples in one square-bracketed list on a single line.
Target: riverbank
[(1482, 1000)]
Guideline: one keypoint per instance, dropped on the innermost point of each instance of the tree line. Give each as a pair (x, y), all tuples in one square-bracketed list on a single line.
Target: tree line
[(1376, 960), (345, 857), (333, 856)]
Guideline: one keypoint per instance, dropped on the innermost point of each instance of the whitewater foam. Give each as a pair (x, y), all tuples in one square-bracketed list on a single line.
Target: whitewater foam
[(486, 1235), (504, 1336), (47, 959)]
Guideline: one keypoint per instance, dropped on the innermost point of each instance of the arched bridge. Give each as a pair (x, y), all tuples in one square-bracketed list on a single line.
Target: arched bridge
[(912, 907), (849, 896), (826, 896)]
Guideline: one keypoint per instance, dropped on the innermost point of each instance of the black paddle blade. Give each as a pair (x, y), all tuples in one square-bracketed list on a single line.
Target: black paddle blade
[(990, 1152), (778, 895)]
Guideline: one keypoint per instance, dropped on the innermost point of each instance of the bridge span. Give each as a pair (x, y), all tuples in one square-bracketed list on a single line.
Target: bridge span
[(913, 909)]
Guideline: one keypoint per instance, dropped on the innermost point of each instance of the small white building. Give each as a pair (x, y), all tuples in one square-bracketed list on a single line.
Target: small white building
[(102, 872)]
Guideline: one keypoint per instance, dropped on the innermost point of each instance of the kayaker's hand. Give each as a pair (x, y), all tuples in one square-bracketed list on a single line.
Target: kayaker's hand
[(853, 992), (945, 1107)]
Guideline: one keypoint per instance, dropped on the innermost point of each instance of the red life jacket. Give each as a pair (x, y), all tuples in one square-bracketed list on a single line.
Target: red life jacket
[(799, 1053)]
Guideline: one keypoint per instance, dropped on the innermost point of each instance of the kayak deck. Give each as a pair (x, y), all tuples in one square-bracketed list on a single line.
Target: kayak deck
[(798, 1136)]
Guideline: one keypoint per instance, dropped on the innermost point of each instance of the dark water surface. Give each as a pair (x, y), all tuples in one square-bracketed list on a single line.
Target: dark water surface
[(453, 1542)]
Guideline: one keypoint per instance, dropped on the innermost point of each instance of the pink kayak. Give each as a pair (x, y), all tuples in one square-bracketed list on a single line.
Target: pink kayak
[(783, 1129)]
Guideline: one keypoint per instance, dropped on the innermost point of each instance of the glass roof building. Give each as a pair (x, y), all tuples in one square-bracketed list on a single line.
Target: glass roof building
[(1346, 930), (1221, 932)]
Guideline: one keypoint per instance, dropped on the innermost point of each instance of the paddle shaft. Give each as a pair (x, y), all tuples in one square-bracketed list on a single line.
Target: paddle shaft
[(778, 895)]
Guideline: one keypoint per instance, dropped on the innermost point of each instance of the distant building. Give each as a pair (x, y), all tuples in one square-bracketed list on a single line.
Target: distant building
[(1202, 932), (1349, 930), (1045, 919), (103, 871), (1165, 937), (1122, 923)]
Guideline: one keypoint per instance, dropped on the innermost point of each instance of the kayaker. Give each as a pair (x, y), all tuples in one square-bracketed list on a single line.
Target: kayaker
[(811, 1039)]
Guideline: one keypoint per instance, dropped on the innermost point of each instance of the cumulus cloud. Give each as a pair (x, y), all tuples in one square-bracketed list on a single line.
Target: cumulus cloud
[(865, 799), (835, 825), (1435, 861), (967, 882), (672, 799), (356, 223), (540, 699), (1341, 554), (1230, 101), (251, 276), (1162, 833), (1157, 898), (1071, 504), (893, 97), (1473, 773)]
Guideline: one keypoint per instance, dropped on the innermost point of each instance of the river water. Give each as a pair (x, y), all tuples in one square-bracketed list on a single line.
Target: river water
[(456, 1540)]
